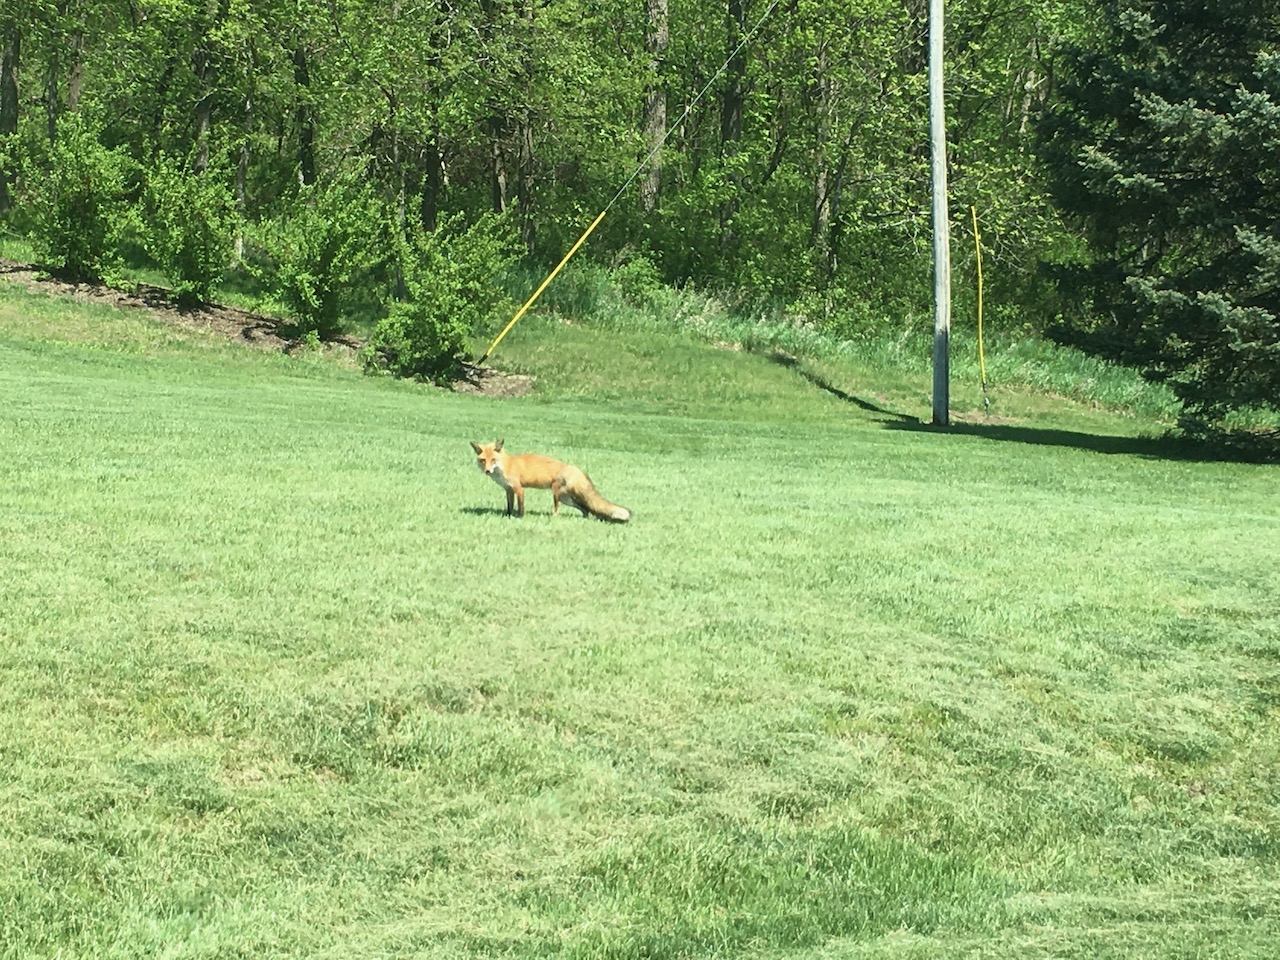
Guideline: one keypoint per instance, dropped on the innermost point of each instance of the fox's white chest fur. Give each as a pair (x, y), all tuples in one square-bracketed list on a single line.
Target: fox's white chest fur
[(497, 476)]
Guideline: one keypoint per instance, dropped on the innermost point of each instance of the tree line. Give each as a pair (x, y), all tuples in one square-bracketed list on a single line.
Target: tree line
[(401, 152)]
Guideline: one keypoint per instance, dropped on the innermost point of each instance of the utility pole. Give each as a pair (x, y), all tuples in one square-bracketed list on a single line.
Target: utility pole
[(941, 224)]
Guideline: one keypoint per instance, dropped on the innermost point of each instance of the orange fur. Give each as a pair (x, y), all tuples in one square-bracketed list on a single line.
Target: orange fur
[(516, 471)]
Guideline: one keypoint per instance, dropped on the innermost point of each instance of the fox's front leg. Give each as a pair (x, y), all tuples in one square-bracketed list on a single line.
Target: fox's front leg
[(556, 487), (511, 501), (519, 495)]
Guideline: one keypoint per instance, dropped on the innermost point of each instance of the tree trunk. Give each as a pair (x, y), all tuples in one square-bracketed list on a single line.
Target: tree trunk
[(204, 113), (9, 59), (1031, 87), (204, 65), (735, 93), (432, 186), (657, 39), (10, 56), (242, 177), (732, 104), (305, 118), (75, 74), (51, 98), (524, 182), (524, 142), (495, 124), (497, 164), (820, 237), (75, 77), (400, 177)]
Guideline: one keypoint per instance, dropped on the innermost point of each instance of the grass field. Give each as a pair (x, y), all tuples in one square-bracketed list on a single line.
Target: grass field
[(277, 678)]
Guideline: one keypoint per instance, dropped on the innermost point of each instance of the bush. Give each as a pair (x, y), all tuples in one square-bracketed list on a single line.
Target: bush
[(325, 250), (640, 281), (450, 277), (189, 227), (78, 203)]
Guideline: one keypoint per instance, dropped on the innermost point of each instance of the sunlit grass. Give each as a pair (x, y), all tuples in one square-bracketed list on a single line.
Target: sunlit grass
[(1016, 361), (277, 678)]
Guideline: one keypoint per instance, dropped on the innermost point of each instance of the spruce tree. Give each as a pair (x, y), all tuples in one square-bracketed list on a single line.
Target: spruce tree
[(1163, 143)]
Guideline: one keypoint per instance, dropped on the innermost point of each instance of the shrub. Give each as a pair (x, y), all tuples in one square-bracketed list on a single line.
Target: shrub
[(450, 277), (324, 250), (189, 227), (78, 203), (640, 281)]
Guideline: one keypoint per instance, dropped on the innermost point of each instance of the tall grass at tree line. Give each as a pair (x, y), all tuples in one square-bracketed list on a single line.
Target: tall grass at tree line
[(632, 298), (277, 678)]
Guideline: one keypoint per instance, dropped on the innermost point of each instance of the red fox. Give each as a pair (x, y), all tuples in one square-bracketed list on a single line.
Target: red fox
[(515, 471)]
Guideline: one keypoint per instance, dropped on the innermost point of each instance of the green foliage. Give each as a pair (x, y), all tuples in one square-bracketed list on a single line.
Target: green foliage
[(189, 225), (843, 315), (77, 196), (325, 253), (629, 296), (10, 166), (451, 281), (1162, 144), (640, 281), (820, 183)]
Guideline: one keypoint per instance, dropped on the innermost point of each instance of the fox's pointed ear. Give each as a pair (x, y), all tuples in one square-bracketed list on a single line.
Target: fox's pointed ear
[(475, 446), (497, 447)]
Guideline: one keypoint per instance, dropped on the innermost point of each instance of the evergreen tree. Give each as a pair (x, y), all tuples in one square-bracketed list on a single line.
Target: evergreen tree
[(1164, 142)]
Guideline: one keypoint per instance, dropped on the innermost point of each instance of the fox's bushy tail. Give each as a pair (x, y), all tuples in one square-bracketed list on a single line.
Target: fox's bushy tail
[(596, 505)]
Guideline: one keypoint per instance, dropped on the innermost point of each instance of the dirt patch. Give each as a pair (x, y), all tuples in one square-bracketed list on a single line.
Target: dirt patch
[(492, 383), (238, 326)]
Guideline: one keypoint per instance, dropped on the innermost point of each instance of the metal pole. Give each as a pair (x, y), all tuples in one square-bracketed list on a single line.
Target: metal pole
[(941, 224)]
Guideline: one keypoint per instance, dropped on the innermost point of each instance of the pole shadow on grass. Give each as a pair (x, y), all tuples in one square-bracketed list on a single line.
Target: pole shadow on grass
[(792, 363), (1156, 448)]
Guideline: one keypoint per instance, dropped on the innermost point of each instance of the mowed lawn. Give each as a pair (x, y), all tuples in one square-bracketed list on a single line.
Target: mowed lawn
[(278, 679)]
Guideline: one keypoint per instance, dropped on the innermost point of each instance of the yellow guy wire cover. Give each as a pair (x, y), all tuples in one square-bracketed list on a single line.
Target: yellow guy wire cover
[(977, 244), (545, 283)]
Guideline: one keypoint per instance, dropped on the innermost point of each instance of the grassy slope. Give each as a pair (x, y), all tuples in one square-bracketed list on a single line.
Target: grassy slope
[(276, 677)]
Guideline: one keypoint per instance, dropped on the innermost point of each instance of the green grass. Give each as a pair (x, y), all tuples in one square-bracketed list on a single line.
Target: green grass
[(277, 678), (1015, 359)]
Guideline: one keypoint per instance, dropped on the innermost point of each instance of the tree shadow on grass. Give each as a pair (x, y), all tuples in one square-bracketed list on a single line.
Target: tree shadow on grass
[(1156, 448)]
